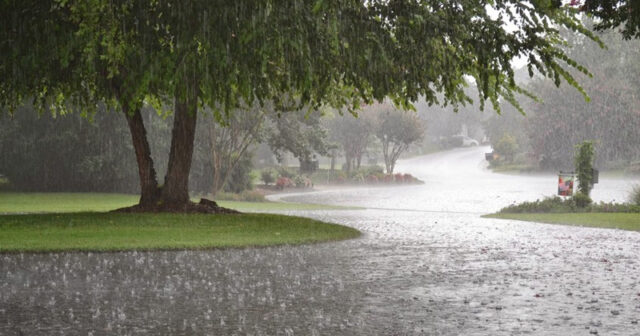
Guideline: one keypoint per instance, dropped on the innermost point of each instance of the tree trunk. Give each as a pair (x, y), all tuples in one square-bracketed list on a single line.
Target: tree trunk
[(149, 192), (333, 160), (218, 179), (175, 193), (385, 153)]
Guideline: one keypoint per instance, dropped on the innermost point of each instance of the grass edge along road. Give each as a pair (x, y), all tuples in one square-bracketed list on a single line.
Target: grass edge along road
[(44, 222), (121, 232), (609, 220), (12, 203)]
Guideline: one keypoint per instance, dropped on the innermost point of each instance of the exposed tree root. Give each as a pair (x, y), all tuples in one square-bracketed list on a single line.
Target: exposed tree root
[(205, 207)]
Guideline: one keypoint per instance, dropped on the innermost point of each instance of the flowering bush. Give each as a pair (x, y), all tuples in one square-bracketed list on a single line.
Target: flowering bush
[(372, 179), (358, 178), (284, 182), (302, 182), (398, 178)]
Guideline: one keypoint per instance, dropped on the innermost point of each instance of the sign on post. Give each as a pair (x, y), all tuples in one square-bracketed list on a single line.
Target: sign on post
[(565, 184)]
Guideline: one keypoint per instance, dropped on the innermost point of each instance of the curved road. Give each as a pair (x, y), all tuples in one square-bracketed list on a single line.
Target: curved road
[(427, 264), (458, 181)]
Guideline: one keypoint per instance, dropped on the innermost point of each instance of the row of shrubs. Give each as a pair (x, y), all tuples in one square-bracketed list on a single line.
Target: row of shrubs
[(373, 175), (297, 182), (244, 196), (577, 203), (379, 178)]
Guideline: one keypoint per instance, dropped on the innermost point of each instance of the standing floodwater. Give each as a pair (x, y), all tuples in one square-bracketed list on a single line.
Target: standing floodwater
[(457, 181), (427, 264)]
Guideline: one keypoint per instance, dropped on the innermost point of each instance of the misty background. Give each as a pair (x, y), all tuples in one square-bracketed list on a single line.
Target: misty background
[(44, 152)]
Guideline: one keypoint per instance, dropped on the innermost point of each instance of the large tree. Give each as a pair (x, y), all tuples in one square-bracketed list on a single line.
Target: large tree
[(220, 53)]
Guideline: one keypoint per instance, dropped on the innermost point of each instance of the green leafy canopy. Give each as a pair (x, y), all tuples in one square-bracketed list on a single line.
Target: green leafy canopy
[(339, 53)]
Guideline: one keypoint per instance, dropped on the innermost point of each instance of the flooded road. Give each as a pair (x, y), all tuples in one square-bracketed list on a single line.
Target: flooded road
[(427, 264), (458, 181)]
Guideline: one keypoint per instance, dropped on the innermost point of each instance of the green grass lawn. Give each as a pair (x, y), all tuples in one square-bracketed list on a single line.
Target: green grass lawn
[(118, 232), (623, 221), (514, 168), (38, 222), (95, 202)]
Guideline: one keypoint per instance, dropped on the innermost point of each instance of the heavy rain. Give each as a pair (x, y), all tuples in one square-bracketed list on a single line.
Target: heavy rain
[(320, 168)]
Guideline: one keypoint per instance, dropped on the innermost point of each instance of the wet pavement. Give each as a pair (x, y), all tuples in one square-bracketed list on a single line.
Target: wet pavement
[(427, 264)]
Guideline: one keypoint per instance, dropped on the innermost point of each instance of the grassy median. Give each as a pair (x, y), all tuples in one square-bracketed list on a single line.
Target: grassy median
[(96, 202), (623, 221), (118, 232), (45, 222)]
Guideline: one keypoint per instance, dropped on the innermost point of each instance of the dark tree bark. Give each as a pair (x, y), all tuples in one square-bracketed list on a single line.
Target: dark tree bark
[(175, 193), (174, 197), (149, 192), (333, 159)]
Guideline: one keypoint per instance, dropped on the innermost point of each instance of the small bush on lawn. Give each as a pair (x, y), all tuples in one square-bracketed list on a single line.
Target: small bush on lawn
[(358, 178), (581, 200), (284, 182), (302, 182), (267, 176)]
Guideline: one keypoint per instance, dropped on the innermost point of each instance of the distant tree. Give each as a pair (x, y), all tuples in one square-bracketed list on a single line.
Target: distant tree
[(511, 123), (299, 133), (507, 147), (583, 162), (397, 130), (66, 153), (354, 134), (563, 118), (240, 178), (230, 139)]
